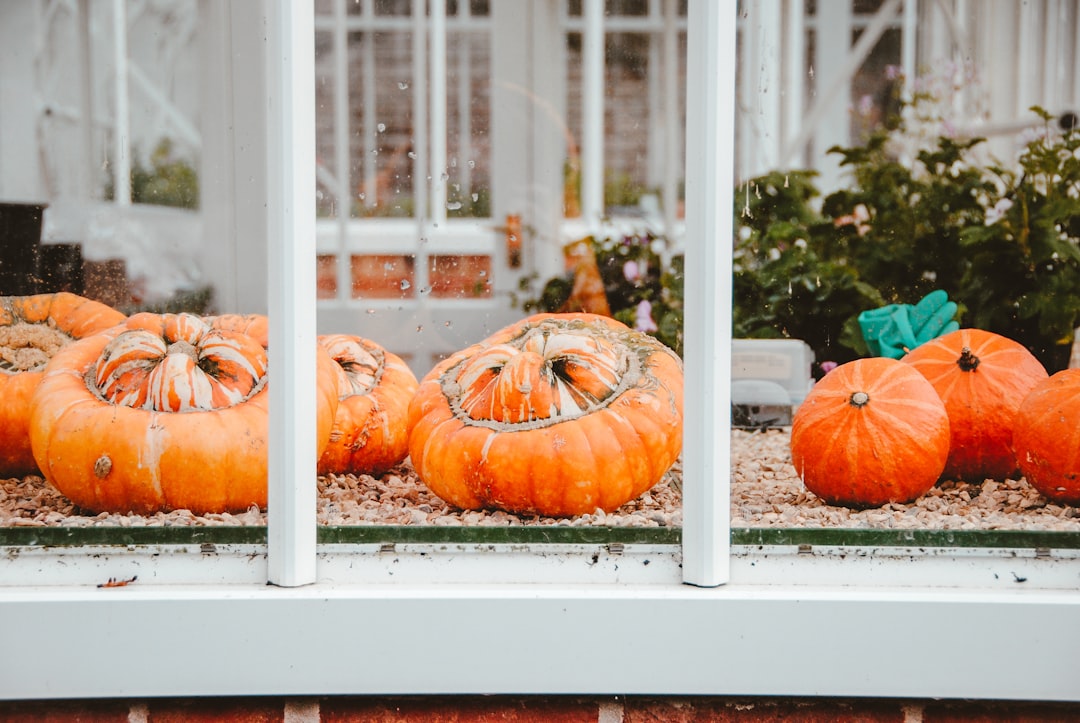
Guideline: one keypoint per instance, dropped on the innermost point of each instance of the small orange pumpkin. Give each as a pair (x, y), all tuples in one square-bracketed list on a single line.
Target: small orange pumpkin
[(32, 330), (1046, 437), (982, 377), (872, 431), (162, 412), (371, 432), (558, 414)]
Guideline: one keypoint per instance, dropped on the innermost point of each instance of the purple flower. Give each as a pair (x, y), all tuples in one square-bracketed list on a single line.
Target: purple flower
[(828, 366), (643, 320)]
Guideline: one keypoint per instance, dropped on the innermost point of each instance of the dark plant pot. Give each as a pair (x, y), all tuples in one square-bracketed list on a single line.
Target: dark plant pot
[(60, 267), (20, 237)]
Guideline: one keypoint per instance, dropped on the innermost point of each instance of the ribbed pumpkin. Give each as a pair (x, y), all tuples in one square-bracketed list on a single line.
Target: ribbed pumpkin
[(32, 330), (982, 377), (558, 414), (872, 431), (371, 429), (163, 412), (1046, 437)]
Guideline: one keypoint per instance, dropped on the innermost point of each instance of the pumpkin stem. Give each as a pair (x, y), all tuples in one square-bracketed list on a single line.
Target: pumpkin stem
[(859, 399), (183, 347), (967, 362)]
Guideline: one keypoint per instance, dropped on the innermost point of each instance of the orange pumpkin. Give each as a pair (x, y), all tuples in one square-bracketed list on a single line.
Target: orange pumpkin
[(982, 377), (1046, 437), (872, 431), (162, 412), (371, 432), (558, 414), (32, 330), (254, 325)]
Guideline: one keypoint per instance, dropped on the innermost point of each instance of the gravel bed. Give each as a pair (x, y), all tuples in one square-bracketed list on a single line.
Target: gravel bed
[(766, 492)]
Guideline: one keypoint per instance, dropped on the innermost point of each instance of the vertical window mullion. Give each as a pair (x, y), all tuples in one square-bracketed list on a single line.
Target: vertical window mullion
[(710, 161), (121, 162), (290, 207), (341, 150), (592, 113), (423, 165), (437, 89), (672, 119)]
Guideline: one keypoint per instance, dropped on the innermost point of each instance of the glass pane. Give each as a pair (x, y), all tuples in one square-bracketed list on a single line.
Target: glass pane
[(382, 130), (383, 276), (468, 81), (911, 199), (455, 282)]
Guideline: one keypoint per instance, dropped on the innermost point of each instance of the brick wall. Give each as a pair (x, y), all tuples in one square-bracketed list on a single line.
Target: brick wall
[(526, 709)]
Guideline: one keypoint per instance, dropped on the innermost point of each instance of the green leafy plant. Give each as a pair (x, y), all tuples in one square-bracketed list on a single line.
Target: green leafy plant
[(168, 181), (1003, 241)]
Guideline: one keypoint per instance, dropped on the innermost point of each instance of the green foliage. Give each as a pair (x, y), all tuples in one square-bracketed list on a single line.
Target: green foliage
[(787, 283), (1002, 242), (169, 181)]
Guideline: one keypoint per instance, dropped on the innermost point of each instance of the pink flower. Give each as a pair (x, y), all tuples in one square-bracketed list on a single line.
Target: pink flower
[(643, 320), (828, 366), (634, 271)]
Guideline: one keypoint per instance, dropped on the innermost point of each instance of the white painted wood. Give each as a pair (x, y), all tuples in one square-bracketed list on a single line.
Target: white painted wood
[(671, 119), (233, 166), (20, 170), (591, 640), (290, 210), (592, 113), (437, 120), (121, 147), (865, 568), (710, 160), (761, 90)]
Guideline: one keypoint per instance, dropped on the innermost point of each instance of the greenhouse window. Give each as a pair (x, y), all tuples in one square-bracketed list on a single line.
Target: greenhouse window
[(294, 607)]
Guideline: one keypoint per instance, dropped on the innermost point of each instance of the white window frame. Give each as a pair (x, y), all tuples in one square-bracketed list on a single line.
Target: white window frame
[(774, 619)]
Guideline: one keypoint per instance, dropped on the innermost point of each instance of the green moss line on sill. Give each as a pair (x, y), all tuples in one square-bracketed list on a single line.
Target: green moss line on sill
[(525, 535)]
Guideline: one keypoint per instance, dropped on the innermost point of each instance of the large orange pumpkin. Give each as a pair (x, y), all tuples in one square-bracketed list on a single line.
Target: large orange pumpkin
[(32, 330), (1046, 437), (558, 414), (982, 377), (163, 412), (371, 429), (872, 431)]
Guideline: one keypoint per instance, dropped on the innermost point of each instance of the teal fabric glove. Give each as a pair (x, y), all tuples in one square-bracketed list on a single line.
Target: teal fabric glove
[(896, 329)]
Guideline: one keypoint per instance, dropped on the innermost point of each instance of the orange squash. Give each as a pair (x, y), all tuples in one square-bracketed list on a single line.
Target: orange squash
[(371, 429), (32, 330), (1046, 437), (558, 415), (163, 412), (872, 431), (982, 377)]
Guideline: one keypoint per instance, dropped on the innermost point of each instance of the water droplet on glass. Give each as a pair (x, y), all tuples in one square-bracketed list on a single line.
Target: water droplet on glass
[(412, 155), (475, 197), (388, 266), (472, 164), (405, 284), (446, 324), (453, 206), (482, 273), (374, 151), (444, 176), (419, 327), (403, 85), (361, 196), (371, 311), (381, 127)]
